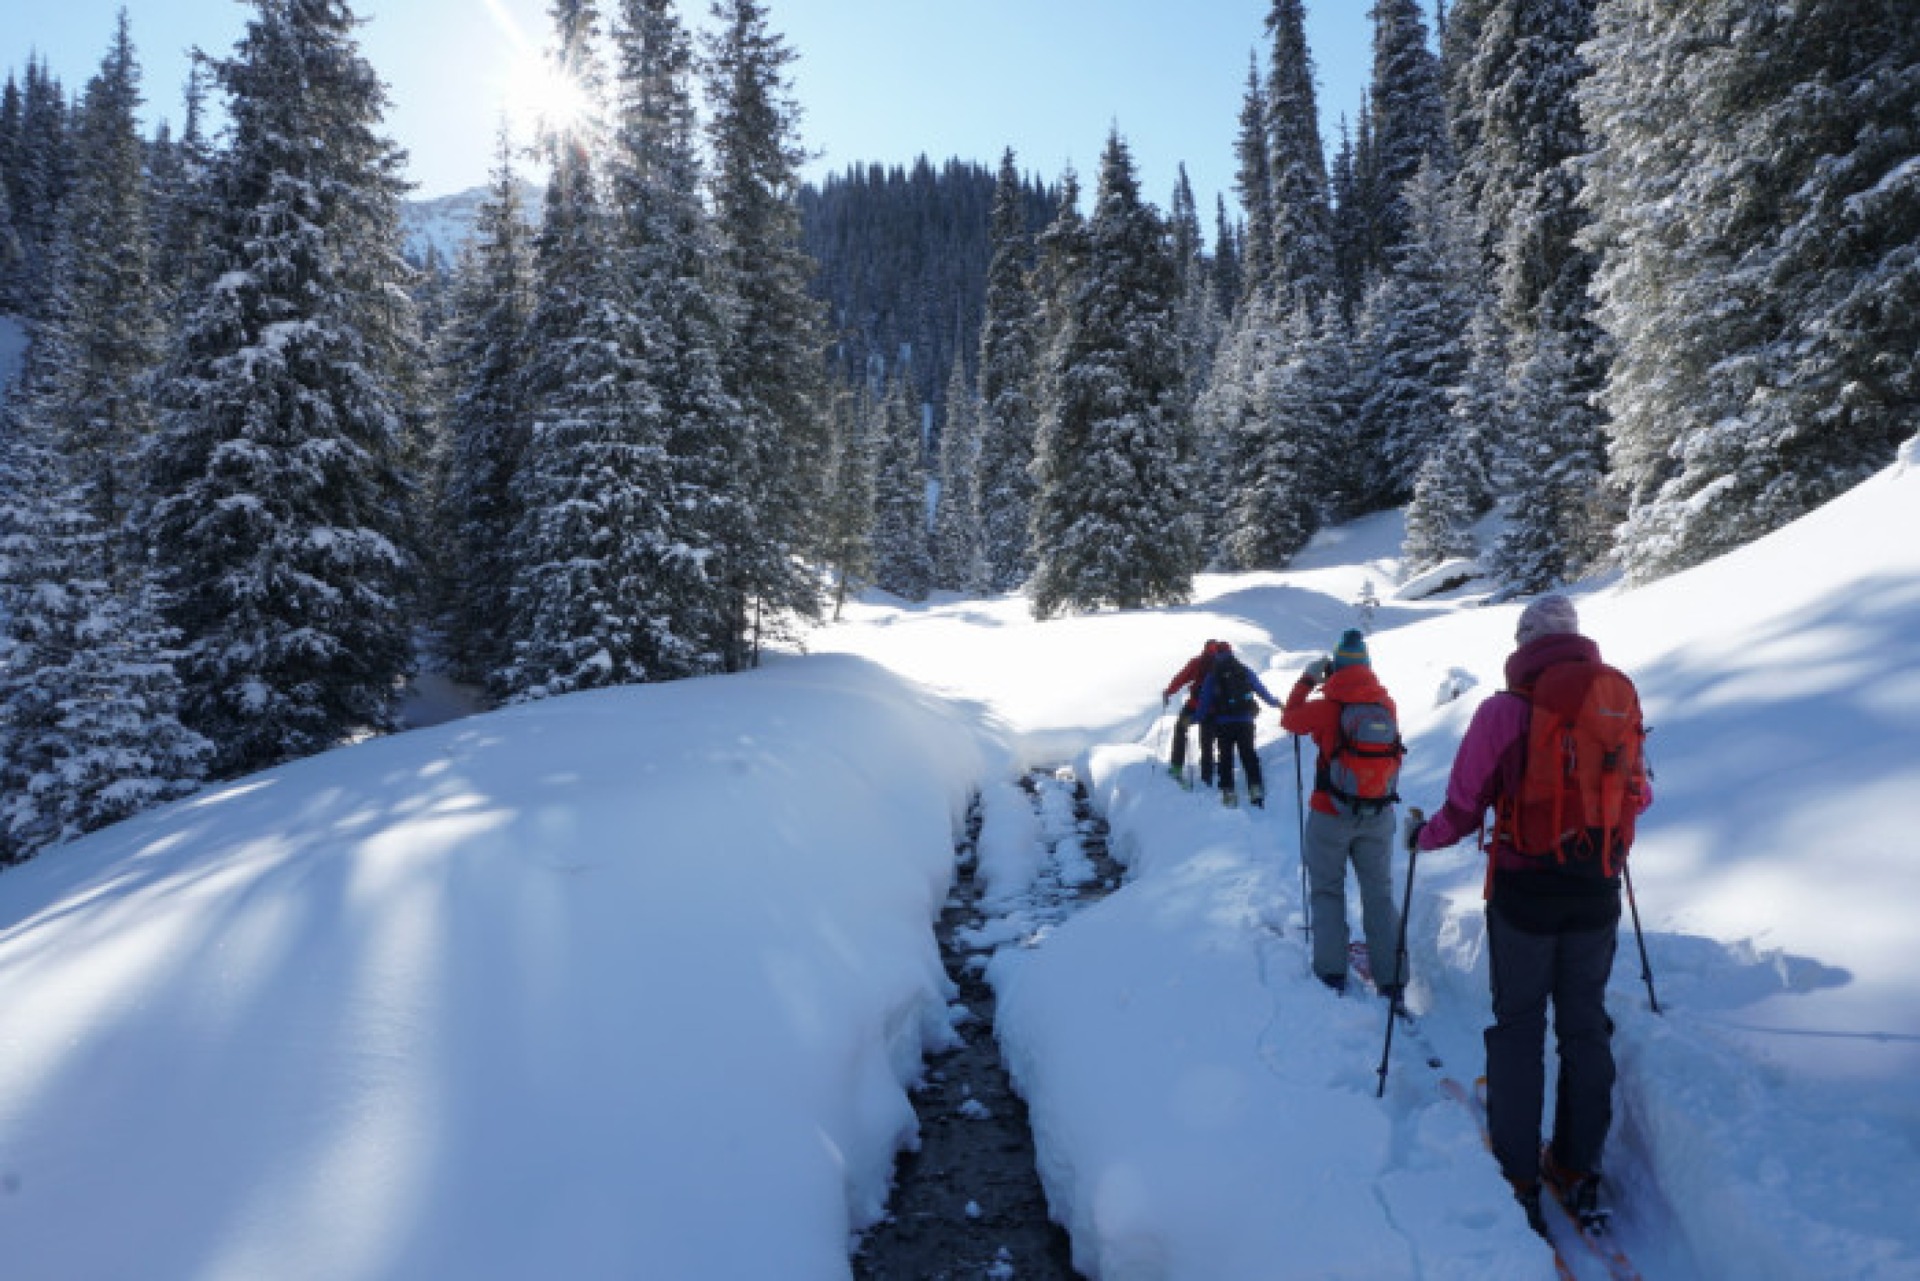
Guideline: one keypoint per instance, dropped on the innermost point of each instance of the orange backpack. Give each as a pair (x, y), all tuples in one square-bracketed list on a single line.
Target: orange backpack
[(1579, 793)]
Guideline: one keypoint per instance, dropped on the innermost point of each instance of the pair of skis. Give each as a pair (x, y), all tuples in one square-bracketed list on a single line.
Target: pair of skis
[(1564, 1225)]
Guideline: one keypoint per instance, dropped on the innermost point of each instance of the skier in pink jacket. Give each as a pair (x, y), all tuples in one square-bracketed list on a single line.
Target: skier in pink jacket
[(1552, 925)]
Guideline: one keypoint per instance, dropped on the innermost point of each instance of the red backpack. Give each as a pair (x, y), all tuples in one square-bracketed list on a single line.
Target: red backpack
[(1579, 792)]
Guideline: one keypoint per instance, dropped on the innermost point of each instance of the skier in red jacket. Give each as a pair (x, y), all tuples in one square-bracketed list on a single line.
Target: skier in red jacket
[(1343, 828), (1189, 678)]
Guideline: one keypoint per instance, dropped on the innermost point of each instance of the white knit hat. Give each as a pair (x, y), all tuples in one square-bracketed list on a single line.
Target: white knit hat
[(1549, 615)]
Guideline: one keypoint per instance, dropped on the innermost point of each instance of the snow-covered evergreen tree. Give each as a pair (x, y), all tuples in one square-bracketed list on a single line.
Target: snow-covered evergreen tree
[(1226, 263), (1455, 486), (1202, 322), (1297, 163), (1110, 520), (1407, 126), (33, 133), (1351, 227), (1278, 490), (484, 354), (89, 699), (848, 511), (1519, 175), (1557, 501), (1759, 276), (100, 332), (1003, 484), (1417, 319), (667, 253), (181, 197), (775, 367), (593, 491), (278, 504), (1230, 418), (902, 549), (956, 523), (1253, 183)]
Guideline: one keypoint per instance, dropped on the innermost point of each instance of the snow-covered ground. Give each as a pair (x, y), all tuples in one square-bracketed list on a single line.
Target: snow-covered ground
[(632, 984)]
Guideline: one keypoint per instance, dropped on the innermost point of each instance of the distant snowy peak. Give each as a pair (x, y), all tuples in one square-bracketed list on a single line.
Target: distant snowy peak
[(444, 224)]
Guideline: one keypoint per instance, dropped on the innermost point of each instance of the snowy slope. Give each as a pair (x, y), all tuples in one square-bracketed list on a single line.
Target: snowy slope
[(633, 983)]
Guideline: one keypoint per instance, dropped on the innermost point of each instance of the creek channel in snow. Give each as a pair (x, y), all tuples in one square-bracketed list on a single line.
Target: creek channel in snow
[(967, 1205)]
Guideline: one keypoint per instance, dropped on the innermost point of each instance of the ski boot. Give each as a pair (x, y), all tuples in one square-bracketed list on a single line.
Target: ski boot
[(1580, 1193)]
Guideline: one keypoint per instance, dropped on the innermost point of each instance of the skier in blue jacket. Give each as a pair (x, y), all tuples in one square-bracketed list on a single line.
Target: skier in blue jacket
[(1227, 704)]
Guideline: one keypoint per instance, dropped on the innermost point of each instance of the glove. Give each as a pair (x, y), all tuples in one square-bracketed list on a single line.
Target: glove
[(1416, 820), (1317, 670)]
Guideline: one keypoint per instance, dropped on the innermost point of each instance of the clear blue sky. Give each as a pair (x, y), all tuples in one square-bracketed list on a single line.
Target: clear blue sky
[(879, 80)]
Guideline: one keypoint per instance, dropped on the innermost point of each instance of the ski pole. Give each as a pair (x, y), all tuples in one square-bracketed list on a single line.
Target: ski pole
[(1300, 810), (1414, 819), (1646, 967), (1160, 750)]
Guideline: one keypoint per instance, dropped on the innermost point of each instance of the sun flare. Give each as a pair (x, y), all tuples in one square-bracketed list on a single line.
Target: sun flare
[(541, 99)]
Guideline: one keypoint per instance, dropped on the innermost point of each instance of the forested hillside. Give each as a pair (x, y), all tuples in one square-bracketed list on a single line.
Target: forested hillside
[(902, 260), (1585, 287)]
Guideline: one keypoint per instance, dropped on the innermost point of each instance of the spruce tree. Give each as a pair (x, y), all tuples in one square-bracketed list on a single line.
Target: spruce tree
[(100, 326), (1351, 224), (849, 509), (180, 203), (1003, 484), (774, 367), (89, 699), (1297, 163), (1253, 183), (1202, 322), (1232, 417), (278, 511), (1759, 276), (1278, 492), (1407, 119), (484, 354), (37, 176), (1418, 318), (666, 247), (1556, 496), (1524, 75), (956, 523), (1110, 520), (1455, 485), (902, 553), (1226, 269), (593, 492)]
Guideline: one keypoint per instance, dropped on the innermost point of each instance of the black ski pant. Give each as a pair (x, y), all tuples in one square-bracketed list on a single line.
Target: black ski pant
[(1180, 725), (1570, 969), (1232, 737)]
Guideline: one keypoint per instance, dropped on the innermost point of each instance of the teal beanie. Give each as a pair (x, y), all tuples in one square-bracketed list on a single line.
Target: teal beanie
[(1352, 650)]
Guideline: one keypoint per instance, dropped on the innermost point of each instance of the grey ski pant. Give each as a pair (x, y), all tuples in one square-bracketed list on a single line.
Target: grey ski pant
[(1365, 841), (1527, 970)]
